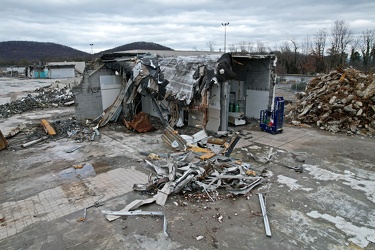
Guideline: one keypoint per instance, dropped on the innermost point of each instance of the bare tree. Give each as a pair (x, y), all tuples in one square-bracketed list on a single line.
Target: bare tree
[(305, 63), (341, 36), (211, 45), (260, 48), (243, 47), (355, 56), (318, 50), (233, 48), (286, 57), (293, 65), (368, 48), (250, 47)]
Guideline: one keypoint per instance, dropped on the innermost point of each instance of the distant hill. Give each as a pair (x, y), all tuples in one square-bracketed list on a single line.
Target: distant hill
[(135, 46), (26, 52)]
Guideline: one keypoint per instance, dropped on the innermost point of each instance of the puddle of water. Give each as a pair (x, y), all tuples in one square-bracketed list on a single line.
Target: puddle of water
[(72, 173), (101, 167)]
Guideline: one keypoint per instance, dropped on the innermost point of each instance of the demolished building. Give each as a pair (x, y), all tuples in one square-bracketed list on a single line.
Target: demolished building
[(180, 87)]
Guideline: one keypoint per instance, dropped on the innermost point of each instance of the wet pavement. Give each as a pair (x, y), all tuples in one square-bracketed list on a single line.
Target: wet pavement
[(44, 190), (328, 206)]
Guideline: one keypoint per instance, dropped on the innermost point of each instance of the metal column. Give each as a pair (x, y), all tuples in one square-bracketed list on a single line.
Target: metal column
[(224, 98)]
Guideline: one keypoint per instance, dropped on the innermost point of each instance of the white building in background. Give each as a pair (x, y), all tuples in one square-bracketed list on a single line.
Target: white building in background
[(61, 71), (78, 66), (16, 70)]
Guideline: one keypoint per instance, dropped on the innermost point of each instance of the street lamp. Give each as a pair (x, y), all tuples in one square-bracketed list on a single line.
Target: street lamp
[(225, 35), (92, 51)]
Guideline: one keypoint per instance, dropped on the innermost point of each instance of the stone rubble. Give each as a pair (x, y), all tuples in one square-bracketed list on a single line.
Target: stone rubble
[(343, 100)]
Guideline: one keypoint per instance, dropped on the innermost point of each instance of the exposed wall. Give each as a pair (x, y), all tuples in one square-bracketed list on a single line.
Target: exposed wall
[(88, 100), (258, 86), (56, 73), (196, 117), (255, 72)]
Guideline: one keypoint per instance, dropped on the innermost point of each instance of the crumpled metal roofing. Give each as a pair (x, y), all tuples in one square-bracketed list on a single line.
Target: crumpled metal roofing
[(180, 70)]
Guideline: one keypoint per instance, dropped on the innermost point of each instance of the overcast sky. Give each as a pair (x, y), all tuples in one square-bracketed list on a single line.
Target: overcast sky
[(180, 25)]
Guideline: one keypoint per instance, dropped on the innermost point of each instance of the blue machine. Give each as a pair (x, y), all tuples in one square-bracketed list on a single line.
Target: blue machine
[(271, 121)]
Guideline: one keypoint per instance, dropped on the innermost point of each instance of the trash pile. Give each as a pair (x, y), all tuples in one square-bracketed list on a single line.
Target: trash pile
[(47, 98), (198, 168), (343, 100), (28, 135), (194, 169)]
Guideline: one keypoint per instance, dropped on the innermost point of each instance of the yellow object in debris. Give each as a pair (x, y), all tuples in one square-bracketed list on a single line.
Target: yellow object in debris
[(199, 150), (47, 127), (153, 156), (207, 156), (78, 166), (251, 172)]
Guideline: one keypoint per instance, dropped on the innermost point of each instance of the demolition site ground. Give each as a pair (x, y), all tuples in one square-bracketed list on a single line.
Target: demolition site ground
[(45, 190)]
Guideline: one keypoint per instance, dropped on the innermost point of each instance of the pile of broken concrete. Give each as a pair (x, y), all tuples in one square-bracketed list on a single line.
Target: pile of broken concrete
[(47, 97), (343, 100)]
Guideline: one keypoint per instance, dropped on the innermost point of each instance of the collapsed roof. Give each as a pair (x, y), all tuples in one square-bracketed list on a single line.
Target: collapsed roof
[(179, 77), (182, 80)]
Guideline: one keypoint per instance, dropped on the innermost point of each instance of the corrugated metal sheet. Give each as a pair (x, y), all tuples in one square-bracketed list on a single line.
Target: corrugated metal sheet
[(173, 139), (179, 71)]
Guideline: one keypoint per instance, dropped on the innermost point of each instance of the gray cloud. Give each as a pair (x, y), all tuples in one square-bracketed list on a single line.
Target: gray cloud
[(176, 24)]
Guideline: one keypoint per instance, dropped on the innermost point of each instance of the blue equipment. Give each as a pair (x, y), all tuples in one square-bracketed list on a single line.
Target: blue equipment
[(271, 121)]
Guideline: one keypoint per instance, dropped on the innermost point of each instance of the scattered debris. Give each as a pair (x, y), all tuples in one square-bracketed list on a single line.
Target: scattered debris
[(15, 131), (47, 97), (343, 100), (194, 171), (82, 219), (173, 139), (131, 206), (47, 127), (3, 141), (262, 201), (74, 149), (140, 123), (236, 118), (139, 212), (25, 145), (199, 237)]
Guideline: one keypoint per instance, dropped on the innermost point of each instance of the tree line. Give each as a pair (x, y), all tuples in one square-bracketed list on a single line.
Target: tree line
[(327, 49)]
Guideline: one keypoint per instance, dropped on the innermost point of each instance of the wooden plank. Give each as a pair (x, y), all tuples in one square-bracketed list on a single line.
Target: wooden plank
[(207, 156), (47, 127)]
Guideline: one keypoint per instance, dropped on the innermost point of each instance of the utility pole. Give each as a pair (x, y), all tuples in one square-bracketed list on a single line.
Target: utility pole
[(225, 35), (92, 51)]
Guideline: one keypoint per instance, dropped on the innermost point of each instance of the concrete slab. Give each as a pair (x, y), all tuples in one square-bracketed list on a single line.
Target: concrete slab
[(328, 206)]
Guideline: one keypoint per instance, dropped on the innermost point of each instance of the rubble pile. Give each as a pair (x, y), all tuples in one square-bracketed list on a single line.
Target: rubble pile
[(198, 170), (71, 129), (189, 172), (68, 128), (343, 100), (47, 97)]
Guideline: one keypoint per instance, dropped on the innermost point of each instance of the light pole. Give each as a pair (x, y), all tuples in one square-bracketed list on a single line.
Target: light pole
[(225, 35), (92, 51)]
